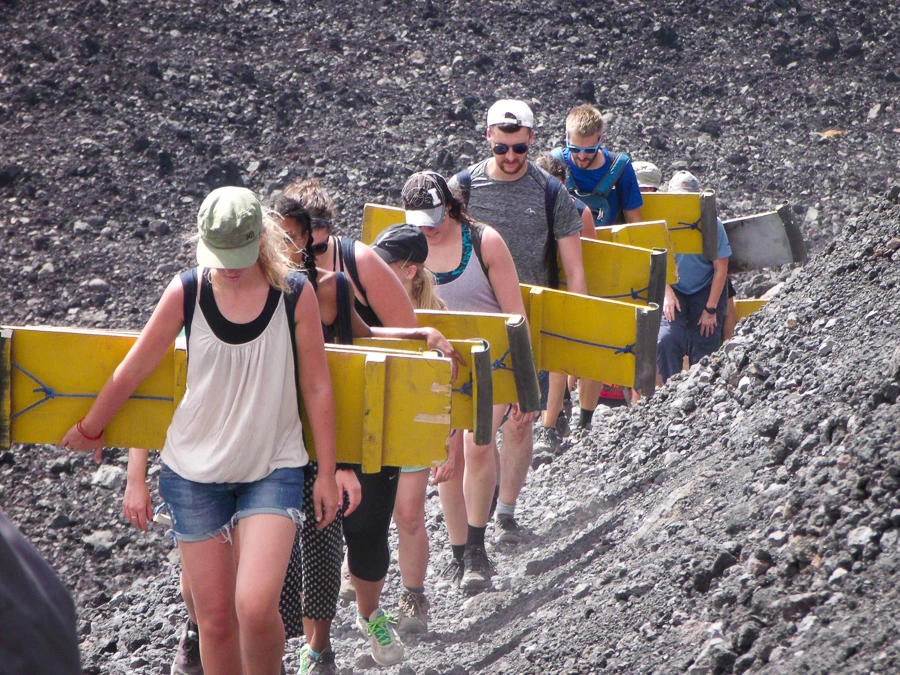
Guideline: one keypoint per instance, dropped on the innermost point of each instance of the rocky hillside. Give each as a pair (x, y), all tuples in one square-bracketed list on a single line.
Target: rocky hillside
[(742, 520)]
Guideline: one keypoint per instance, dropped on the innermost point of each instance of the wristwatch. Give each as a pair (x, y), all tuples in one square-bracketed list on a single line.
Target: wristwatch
[(709, 310)]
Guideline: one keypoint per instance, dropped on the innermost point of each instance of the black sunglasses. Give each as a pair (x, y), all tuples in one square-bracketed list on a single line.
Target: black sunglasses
[(319, 249), (503, 148)]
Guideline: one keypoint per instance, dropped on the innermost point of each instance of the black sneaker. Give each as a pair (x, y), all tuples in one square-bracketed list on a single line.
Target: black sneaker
[(479, 570), (452, 574), (507, 530), (187, 658), (562, 424), (548, 439)]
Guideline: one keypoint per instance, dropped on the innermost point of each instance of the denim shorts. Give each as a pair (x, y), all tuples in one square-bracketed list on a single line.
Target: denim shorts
[(201, 511)]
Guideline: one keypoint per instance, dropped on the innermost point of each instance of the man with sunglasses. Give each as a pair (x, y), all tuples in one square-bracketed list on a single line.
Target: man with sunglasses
[(532, 213), (588, 163)]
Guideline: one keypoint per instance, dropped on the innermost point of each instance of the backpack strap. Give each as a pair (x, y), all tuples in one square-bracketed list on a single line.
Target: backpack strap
[(348, 256), (551, 194), (558, 154), (476, 232), (295, 281), (189, 281), (605, 186), (343, 327), (464, 179)]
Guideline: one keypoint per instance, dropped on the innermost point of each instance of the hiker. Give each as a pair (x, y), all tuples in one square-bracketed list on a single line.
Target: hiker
[(606, 182), (556, 168), (693, 309), (536, 218), (368, 275), (365, 528), (474, 272), (228, 504), (404, 248)]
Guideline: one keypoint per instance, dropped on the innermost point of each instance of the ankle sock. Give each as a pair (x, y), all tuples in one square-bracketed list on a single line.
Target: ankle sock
[(585, 417), (475, 536), (313, 653), (504, 509), (458, 550)]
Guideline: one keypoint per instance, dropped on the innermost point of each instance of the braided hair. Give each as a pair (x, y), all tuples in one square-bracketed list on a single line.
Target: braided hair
[(290, 207)]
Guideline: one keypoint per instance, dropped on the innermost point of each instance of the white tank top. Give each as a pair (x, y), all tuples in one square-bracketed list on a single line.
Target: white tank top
[(238, 420)]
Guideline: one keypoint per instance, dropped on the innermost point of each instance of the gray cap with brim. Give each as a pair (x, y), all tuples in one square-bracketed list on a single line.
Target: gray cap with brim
[(229, 222)]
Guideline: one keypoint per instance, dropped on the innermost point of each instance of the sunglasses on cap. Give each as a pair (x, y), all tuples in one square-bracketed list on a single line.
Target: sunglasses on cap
[(575, 150), (503, 148)]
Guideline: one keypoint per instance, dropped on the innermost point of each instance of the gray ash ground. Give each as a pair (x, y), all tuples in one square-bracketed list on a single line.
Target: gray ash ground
[(745, 519)]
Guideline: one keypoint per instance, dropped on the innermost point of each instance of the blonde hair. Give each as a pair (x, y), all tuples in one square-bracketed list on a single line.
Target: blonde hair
[(312, 195), (274, 255), (422, 294), (584, 120)]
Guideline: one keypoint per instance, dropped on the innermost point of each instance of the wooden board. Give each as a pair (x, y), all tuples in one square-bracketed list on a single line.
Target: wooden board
[(690, 217), (653, 235), (746, 307), (53, 376), (621, 272), (472, 397), (378, 217), (769, 239), (604, 340)]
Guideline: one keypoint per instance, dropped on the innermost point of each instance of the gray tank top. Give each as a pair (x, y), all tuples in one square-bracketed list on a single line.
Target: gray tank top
[(471, 291)]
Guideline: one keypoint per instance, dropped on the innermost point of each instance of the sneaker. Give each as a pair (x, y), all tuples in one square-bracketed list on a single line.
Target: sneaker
[(347, 592), (386, 646), (310, 665), (479, 570), (412, 612), (507, 530), (547, 439), (452, 574), (187, 658)]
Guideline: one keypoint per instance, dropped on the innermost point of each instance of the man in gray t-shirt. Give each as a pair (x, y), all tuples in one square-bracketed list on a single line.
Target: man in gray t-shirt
[(508, 192)]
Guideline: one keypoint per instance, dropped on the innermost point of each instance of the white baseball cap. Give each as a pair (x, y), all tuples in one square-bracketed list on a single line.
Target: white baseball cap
[(509, 111)]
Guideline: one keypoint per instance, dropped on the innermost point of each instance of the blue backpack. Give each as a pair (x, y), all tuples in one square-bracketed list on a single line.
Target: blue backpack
[(597, 200)]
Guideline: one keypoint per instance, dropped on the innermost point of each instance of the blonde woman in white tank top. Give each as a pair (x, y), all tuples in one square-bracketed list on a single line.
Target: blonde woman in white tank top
[(233, 461)]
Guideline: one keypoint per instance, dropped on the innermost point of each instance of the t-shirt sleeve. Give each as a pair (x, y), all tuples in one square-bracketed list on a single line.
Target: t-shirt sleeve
[(629, 192), (724, 246), (566, 219)]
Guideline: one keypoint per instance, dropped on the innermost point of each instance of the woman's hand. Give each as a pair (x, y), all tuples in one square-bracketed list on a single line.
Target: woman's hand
[(77, 441), (447, 470), (436, 341), (137, 505), (348, 484), (325, 500)]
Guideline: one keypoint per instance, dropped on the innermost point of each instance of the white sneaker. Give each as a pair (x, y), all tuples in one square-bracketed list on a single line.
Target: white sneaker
[(386, 646)]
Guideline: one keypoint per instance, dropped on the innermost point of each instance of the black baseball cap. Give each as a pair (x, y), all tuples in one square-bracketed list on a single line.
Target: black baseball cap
[(402, 242)]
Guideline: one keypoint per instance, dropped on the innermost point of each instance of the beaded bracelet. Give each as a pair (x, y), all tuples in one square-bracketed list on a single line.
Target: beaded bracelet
[(81, 431)]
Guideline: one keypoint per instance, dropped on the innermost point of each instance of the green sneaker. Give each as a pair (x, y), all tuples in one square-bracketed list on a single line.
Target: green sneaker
[(386, 646), (310, 665)]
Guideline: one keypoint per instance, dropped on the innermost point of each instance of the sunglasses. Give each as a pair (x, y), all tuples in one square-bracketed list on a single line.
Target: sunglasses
[(320, 248), (503, 148), (575, 150)]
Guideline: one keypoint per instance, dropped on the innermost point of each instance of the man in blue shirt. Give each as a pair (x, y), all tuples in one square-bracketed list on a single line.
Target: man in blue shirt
[(588, 163), (694, 308)]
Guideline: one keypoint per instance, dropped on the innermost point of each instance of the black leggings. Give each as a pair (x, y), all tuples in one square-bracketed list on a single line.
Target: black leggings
[(366, 529)]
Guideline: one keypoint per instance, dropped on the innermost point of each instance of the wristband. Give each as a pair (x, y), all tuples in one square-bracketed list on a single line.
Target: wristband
[(709, 310), (80, 428)]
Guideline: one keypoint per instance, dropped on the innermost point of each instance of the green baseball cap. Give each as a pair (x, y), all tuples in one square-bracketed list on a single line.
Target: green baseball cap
[(230, 222)]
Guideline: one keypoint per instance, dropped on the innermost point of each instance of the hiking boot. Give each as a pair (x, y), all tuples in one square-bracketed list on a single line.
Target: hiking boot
[(412, 612), (347, 592), (547, 439), (187, 657), (386, 646), (479, 570), (452, 574), (310, 665), (507, 530)]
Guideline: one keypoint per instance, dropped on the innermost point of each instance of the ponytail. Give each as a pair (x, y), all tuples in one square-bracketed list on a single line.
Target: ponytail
[(423, 295)]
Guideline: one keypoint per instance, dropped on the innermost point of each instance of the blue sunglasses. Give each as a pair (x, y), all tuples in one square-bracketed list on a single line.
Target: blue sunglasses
[(575, 150)]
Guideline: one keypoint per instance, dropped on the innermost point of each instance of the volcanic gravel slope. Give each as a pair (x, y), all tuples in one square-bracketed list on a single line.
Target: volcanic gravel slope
[(744, 519)]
